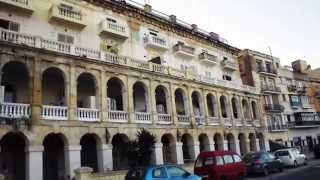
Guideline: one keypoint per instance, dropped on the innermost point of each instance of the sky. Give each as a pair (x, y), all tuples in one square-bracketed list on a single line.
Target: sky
[(291, 28)]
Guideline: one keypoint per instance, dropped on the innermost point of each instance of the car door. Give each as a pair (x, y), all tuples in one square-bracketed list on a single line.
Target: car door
[(267, 161), (177, 173), (229, 166), (275, 163), (158, 173), (300, 157)]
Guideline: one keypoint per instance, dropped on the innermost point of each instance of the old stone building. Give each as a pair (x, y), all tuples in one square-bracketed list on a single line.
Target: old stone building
[(80, 78)]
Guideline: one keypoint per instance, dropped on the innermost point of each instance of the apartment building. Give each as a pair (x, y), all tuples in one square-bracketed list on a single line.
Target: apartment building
[(301, 114), (261, 70), (80, 78)]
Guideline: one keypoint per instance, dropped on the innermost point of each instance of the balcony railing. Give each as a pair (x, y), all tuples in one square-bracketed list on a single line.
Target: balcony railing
[(24, 6), (88, 114), (270, 88), (118, 116), (164, 119), (208, 58), (156, 42), (227, 122), (183, 119), (213, 121), (59, 13), (304, 123), (292, 88), (274, 108), (238, 122), (200, 120), (14, 110), (278, 127), (114, 29), (229, 65), (248, 122), (142, 117), (71, 49), (184, 50), (271, 71), (257, 123), (54, 112)]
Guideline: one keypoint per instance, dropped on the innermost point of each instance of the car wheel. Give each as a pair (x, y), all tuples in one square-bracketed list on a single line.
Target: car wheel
[(265, 171), (295, 164), (280, 168), (305, 161)]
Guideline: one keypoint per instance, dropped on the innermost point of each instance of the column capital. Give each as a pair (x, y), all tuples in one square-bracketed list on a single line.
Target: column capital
[(72, 148), (34, 148), (158, 145), (105, 147)]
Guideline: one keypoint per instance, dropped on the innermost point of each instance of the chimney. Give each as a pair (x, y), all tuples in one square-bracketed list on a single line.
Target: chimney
[(194, 27), (147, 8), (173, 18), (214, 35)]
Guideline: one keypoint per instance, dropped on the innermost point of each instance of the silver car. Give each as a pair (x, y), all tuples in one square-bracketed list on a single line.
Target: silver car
[(291, 157)]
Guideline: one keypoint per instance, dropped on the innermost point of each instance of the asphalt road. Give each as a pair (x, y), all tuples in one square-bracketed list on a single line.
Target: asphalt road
[(310, 172)]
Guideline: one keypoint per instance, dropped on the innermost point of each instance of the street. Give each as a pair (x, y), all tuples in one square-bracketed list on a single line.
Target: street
[(309, 172)]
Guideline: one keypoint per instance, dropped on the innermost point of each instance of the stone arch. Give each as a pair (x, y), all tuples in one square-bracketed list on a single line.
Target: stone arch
[(188, 148), (235, 107), (53, 87), (245, 108), (89, 150), (204, 142), (252, 142), (231, 142), (181, 102), (242, 143), (87, 91), (12, 155), (116, 92), (197, 103), (224, 106), (254, 110), (54, 164), (168, 148), (140, 97), (119, 151), (15, 78), (162, 100), (218, 141), (211, 105)]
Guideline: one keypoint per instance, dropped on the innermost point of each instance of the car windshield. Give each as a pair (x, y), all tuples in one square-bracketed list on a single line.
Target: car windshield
[(282, 153), (251, 157)]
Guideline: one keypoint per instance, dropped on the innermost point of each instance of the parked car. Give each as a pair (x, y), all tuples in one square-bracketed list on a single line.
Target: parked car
[(163, 172), (219, 165), (291, 157), (316, 151), (262, 162)]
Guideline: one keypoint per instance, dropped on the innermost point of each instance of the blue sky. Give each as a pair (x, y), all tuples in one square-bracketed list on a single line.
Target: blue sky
[(290, 27)]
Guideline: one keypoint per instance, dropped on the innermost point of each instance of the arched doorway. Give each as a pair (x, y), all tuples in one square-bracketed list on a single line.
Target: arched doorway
[(89, 155), (53, 157), (13, 156), (231, 142), (53, 87), (242, 144), (187, 148), (168, 149), (223, 106), (15, 79), (140, 97), (261, 142), (204, 142), (252, 142), (197, 104), (246, 112), (254, 110), (120, 151), (116, 95), (211, 105), (161, 94), (235, 110), (86, 91), (181, 102), (218, 142)]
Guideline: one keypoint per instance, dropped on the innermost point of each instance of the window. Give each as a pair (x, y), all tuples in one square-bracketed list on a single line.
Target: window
[(227, 77), (236, 158), (219, 161), (159, 173), (294, 100), (209, 161), (9, 25), (175, 171), (111, 20), (65, 38), (289, 118), (225, 59), (228, 159)]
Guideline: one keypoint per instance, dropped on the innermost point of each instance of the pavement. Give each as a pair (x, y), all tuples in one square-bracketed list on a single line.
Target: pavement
[(309, 172)]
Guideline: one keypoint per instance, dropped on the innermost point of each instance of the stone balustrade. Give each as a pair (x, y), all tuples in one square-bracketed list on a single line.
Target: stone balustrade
[(164, 119), (183, 119), (88, 114), (142, 117), (14, 110), (118, 116), (54, 112)]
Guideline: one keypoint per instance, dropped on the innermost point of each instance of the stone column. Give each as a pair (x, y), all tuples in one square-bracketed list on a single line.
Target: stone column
[(257, 145), (72, 159), (152, 97), (158, 154), (190, 106), (196, 149), (103, 100), (36, 100), (173, 105), (130, 101), (238, 151), (72, 100), (205, 105), (218, 109), (105, 161), (247, 149), (34, 167), (211, 144), (179, 153), (225, 145), (267, 145)]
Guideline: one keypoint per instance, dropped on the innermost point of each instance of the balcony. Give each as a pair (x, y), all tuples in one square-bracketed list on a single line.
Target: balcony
[(183, 119), (266, 71), (304, 124), (208, 58), (164, 119), (54, 112), (274, 108), (238, 122), (278, 128), (114, 29), (301, 89), (118, 116), (265, 88), (200, 120), (155, 42), (227, 122), (229, 65), (14, 110), (67, 15), (23, 6), (142, 118), (183, 50), (248, 122), (88, 114), (256, 123), (213, 121), (292, 88)]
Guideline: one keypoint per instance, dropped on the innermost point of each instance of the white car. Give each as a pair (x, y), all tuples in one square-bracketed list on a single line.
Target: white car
[(291, 157)]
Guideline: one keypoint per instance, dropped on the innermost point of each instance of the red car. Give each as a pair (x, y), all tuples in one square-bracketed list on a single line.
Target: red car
[(219, 165)]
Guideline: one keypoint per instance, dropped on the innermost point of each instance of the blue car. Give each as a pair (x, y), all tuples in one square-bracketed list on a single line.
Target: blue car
[(160, 172)]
